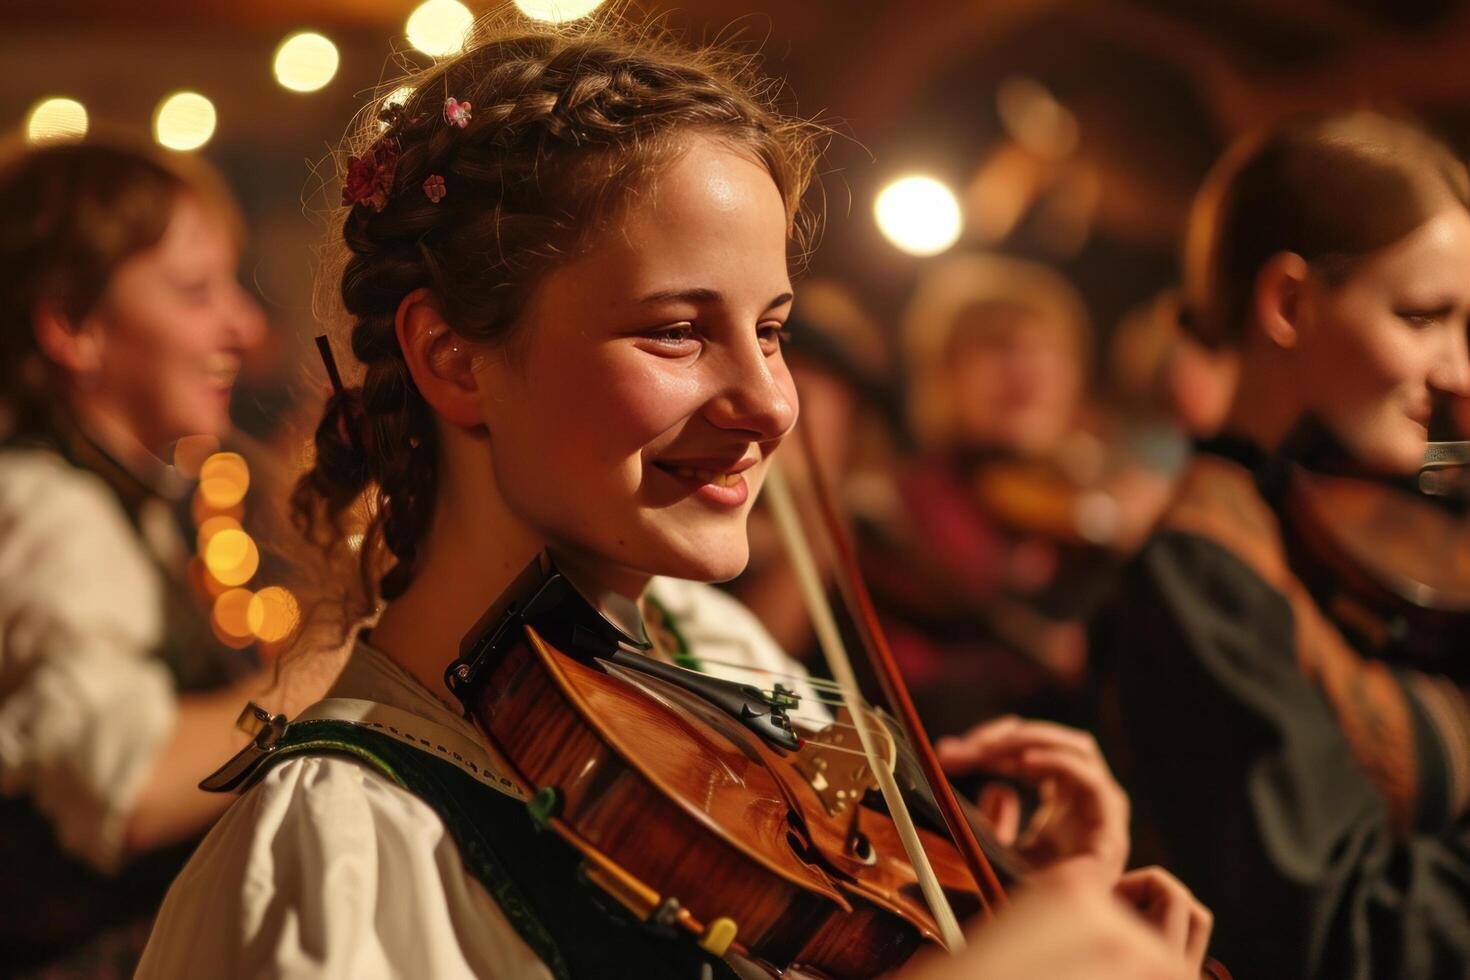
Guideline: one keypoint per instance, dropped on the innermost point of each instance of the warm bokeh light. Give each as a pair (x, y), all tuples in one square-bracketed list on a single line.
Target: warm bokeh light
[(232, 612), (305, 62), (200, 510), (556, 11), (439, 27), (223, 480), (273, 614), (184, 121), (56, 119), (213, 526), (919, 215), (232, 557)]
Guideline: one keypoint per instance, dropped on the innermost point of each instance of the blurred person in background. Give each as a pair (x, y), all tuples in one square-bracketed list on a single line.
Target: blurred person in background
[(1008, 522), (124, 328), (1314, 796)]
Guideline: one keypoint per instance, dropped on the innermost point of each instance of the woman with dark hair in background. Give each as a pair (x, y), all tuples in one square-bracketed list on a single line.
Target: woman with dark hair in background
[(123, 330), (1315, 798)]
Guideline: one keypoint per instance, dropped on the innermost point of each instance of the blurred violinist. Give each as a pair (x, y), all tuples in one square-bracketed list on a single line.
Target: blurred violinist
[(1315, 797), (124, 328), (1007, 523)]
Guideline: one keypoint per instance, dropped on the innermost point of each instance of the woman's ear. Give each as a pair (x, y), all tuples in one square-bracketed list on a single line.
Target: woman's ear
[(76, 348), (1280, 299), (440, 361)]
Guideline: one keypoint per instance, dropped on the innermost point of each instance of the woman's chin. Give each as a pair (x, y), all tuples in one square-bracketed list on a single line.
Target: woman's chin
[(715, 564)]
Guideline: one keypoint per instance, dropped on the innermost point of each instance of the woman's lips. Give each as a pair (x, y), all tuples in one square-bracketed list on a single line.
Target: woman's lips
[(222, 370), (716, 477), (723, 485)]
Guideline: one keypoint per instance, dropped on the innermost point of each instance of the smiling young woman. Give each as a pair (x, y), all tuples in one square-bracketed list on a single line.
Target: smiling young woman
[(123, 329), (567, 273), (1314, 797)]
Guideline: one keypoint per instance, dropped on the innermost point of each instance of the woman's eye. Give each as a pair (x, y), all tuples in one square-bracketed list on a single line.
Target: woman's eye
[(1422, 318), (773, 335), (676, 337), (196, 293)]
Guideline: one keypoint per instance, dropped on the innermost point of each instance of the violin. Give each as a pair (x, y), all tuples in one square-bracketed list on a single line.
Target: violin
[(1390, 565), (693, 800)]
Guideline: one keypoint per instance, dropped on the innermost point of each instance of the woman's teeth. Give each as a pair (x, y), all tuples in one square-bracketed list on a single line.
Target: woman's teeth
[(706, 476), (222, 369)]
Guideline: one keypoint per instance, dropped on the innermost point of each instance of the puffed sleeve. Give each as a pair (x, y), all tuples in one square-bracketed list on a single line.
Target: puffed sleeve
[(85, 706), (325, 869), (1243, 780)]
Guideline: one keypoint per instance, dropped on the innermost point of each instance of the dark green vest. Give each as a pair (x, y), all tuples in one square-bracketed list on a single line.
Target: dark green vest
[(574, 928)]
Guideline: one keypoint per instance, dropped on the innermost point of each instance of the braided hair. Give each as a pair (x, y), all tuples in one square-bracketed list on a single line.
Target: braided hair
[(564, 126)]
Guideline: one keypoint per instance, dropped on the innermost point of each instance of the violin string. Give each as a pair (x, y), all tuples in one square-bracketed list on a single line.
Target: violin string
[(820, 683), (820, 721)]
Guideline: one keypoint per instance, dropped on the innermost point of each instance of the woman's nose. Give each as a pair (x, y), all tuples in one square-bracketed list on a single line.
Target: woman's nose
[(1451, 369), (755, 394), (247, 323)]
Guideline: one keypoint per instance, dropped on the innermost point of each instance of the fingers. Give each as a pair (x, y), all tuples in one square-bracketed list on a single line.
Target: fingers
[(1061, 926), (1083, 812), (1170, 907), (1008, 736), (1201, 926), (1000, 805)]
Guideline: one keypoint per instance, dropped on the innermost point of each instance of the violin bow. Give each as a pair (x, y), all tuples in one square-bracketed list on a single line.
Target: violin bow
[(824, 623), (859, 602)]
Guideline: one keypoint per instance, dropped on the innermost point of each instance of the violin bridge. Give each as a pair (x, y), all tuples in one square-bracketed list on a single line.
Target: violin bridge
[(833, 763)]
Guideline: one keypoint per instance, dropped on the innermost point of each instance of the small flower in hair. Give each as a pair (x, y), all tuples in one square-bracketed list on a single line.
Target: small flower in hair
[(457, 113), (370, 176), (434, 188)]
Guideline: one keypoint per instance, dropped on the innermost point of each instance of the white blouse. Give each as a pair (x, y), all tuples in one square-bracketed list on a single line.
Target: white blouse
[(85, 704), (324, 868)]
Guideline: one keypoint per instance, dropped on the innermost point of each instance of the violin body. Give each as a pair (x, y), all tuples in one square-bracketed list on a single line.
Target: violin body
[(684, 813), (1391, 567)]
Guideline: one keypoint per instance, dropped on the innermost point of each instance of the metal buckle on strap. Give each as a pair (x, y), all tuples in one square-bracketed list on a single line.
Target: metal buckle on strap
[(265, 730)]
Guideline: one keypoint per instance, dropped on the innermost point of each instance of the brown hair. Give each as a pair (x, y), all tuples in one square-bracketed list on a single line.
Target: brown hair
[(74, 213), (1330, 188), (567, 123)]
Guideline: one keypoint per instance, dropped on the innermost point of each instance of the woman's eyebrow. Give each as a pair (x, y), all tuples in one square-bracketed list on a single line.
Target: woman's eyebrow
[(696, 294), (700, 295)]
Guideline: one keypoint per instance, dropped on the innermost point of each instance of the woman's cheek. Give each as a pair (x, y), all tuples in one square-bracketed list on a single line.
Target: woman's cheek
[(655, 399)]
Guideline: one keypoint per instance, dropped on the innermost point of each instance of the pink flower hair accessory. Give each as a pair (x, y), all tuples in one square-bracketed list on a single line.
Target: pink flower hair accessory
[(434, 188), (457, 113)]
